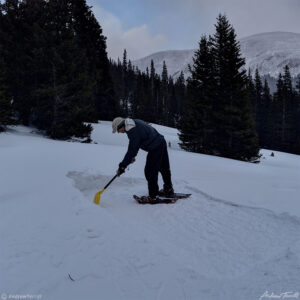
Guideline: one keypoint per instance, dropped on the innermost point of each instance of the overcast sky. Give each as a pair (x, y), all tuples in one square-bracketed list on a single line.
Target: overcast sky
[(147, 26)]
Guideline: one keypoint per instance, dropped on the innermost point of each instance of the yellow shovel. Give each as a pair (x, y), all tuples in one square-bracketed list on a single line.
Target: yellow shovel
[(98, 195)]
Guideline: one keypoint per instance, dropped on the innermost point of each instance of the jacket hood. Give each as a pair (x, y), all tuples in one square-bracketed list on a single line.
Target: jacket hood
[(129, 124)]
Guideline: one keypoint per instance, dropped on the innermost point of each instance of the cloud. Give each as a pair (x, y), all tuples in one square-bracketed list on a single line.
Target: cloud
[(138, 41), (257, 16), (143, 27), (247, 16)]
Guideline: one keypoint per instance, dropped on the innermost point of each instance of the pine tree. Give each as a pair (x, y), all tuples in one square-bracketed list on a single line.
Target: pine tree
[(5, 105), (251, 93), (163, 105), (296, 109), (6, 110), (217, 117), (287, 81), (196, 123), (258, 87), (125, 64), (259, 110), (93, 43), (65, 99), (298, 84), (283, 113), (235, 136), (143, 91), (141, 96), (154, 102), (57, 65), (288, 121), (266, 125), (277, 113), (116, 71), (180, 94), (125, 88), (15, 40)]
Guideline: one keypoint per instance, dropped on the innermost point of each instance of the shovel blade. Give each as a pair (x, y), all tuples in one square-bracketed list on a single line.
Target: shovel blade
[(97, 197)]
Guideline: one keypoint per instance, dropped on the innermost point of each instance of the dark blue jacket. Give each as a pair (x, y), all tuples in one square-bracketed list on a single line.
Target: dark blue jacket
[(142, 136)]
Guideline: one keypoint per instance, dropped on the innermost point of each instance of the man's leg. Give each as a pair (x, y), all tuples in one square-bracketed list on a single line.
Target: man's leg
[(165, 168), (152, 167)]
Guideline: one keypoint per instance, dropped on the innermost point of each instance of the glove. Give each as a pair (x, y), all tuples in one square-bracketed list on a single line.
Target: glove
[(121, 170)]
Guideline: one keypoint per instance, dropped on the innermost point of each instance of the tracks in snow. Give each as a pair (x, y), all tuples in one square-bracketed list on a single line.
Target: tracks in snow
[(194, 245)]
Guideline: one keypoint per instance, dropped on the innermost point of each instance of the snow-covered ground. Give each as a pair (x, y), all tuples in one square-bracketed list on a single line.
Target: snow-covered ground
[(237, 237)]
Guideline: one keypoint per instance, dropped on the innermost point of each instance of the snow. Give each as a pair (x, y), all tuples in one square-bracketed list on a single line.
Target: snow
[(235, 238), (176, 61), (268, 52), (271, 52)]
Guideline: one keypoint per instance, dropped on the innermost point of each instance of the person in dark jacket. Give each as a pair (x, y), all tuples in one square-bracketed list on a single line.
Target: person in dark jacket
[(143, 136)]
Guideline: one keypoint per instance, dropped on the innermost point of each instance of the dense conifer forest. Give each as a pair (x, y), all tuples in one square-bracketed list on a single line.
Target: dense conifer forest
[(55, 75)]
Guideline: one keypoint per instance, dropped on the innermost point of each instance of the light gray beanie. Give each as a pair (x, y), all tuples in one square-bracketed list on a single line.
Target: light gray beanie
[(116, 122)]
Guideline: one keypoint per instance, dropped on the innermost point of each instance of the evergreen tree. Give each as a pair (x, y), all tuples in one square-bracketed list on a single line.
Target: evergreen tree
[(147, 92), (93, 42), (5, 105), (125, 93), (288, 121), (277, 113), (15, 40), (125, 64), (6, 111), (287, 82), (259, 109), (152, 72), (217, 117), (141, 97), (64, 96), (116, 71), (180, 94), (57, 65), (284, 113), (154, 93), (266, 125), (258, 87), (196, 123), (296, 109), (298, 84), (251, 93), (163, 105), (284, 132), (234, 136)]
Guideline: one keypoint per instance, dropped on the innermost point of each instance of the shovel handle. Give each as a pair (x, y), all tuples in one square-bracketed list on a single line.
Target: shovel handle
[(111, 181)]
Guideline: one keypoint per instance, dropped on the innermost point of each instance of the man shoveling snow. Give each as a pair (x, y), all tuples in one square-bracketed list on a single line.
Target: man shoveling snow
[(143, 136)]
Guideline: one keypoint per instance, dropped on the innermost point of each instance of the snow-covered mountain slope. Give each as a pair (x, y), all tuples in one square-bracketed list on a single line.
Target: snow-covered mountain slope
[(269, 52), (235, 238), (176, 61)]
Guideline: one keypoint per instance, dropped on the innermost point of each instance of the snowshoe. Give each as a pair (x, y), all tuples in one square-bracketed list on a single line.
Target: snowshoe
[(160, 199)]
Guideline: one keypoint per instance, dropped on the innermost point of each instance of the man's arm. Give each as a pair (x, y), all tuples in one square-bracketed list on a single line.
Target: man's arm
[(133, 148)]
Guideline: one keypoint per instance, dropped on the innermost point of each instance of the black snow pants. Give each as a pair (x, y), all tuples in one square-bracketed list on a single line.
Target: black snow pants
[(158, 161)]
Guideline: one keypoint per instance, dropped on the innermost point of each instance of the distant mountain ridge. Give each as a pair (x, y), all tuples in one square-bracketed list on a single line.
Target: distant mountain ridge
[(268, 52)]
